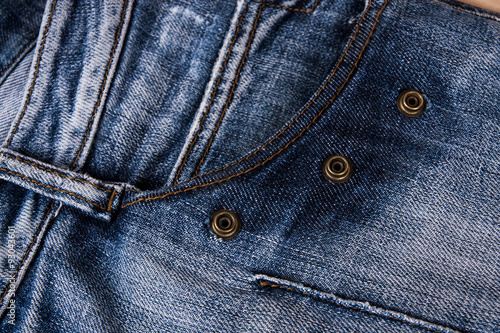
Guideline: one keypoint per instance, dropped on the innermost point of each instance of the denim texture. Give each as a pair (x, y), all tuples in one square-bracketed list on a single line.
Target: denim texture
[(139, 119), (12, 86)]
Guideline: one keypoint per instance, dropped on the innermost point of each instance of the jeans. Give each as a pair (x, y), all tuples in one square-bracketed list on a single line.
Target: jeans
[(249, 166)]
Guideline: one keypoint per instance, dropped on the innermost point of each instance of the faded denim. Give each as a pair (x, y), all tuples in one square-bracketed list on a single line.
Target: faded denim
[(127, 124)]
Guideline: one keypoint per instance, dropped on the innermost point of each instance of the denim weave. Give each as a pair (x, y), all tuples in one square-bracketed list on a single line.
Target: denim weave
[(127, 124)]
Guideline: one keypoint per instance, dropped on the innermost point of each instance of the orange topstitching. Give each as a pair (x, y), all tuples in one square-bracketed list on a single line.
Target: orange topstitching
[(214, 91), (102, 85), (235, 82), (29, 248), (267, 284), (290, 124), (42, 45)]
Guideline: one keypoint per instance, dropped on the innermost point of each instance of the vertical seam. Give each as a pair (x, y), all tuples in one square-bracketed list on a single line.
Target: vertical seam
[(113, 50), (214, 92), (228, 101), (44, 219), (37, 67), (110, 204), (235, 82)]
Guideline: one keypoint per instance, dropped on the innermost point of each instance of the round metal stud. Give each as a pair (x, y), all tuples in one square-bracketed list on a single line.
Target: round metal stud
[(225, 224), (411, 103), (337, 169)]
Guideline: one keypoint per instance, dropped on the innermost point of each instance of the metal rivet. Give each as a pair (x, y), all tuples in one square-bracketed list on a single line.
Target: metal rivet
[(225, 224), (411, 103), (338, 169)]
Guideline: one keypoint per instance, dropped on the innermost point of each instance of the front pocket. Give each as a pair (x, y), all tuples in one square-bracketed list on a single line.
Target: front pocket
[(277, 59), (321, 100)]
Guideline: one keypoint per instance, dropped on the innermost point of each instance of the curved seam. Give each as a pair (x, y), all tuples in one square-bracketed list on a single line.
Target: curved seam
[(44, 219), (37, 67), (17, 57), (55, 172), (214, 92), (53, 188), (103, 85), (235, 82), (304, 129), (302, 112), (271, 285)]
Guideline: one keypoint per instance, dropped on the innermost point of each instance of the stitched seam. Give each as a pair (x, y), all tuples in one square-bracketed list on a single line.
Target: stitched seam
[(55, 172), (218, 82), (267, 284), (17, 56), (228, 101), (42, 45), (214, 92), (103, 85), (53, 188), (235, 82), (44, 219), (302, 112), (306, 128)]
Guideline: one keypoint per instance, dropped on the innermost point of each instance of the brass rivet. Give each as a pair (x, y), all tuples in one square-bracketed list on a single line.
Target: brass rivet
[(338, 169), (225, 223), (411, 103)]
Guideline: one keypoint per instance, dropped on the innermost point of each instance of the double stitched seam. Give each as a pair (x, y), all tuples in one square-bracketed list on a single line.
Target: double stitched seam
[(113, 50), (55, 188), (23, 112), (475, 12), (42, 45), (214, 92), (310, 10), (235, 82), (37, 233), (306, 107), (55, 172), (290, 124), (267, 284), (28, 45)]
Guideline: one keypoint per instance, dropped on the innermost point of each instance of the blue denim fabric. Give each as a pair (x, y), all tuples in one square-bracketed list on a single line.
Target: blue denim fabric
[(132, 122)]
